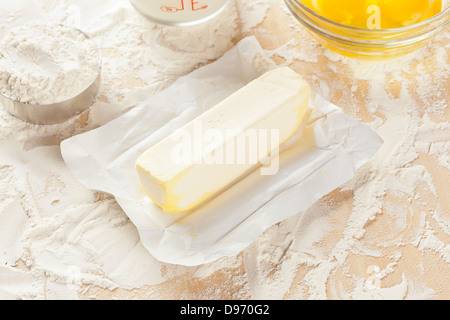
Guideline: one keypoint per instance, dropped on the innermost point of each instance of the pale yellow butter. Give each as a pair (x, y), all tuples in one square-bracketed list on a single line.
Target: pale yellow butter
[(225, 143)]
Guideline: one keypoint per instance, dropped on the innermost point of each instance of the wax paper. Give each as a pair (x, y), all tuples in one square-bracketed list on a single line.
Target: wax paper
[(325, 153)]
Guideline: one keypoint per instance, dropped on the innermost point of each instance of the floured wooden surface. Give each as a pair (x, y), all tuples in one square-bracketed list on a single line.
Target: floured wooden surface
[(383, 235)]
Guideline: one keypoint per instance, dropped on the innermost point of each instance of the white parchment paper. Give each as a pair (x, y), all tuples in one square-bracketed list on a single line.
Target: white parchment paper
[(329, 149)]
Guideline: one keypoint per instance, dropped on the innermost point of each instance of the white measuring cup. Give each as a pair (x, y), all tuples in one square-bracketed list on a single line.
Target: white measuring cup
[(179, 12)]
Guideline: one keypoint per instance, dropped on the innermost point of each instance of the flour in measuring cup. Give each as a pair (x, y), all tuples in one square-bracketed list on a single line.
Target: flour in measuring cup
[(43, 64)]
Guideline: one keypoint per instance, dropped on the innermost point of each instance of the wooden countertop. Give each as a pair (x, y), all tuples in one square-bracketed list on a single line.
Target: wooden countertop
[(376, 238)]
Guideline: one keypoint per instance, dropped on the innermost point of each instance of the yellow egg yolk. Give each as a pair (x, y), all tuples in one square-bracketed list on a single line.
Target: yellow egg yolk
[(376, 14)]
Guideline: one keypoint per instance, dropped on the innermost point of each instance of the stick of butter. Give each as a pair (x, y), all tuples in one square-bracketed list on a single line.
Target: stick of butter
[(224, 144)]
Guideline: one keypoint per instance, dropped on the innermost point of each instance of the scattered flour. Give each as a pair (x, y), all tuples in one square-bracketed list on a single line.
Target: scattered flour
[(402, 117), (62, 237), (46, 63), (69, 242), (252, 13)]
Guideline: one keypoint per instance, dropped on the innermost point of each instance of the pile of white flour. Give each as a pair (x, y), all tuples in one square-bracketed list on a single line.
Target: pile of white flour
[(46, 63)]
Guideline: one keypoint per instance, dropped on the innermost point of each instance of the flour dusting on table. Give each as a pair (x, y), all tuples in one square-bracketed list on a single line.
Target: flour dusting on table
[(69, 242), (43, 63)]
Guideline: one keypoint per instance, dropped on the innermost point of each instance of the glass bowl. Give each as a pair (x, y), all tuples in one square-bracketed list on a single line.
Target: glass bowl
[(359, 42)]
